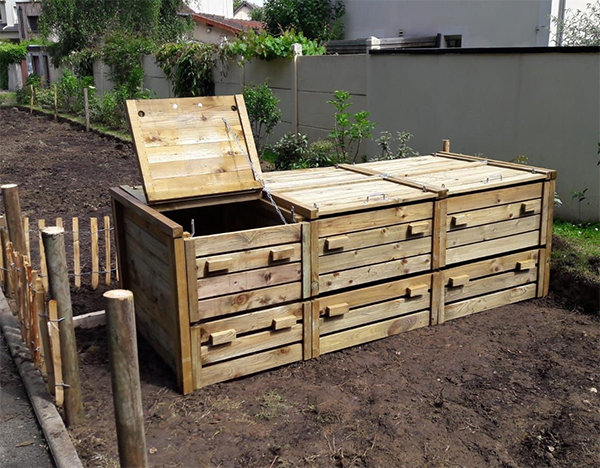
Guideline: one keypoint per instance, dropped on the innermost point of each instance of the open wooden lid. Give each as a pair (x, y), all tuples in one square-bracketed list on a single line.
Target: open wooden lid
[(186, 148)]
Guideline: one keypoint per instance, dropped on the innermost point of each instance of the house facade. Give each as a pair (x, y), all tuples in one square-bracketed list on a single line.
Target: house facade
[(9, 21), (462, 23)]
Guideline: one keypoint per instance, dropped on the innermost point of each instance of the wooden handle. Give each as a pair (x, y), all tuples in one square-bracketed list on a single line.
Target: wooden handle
[(219, 265), (460, 280), (528, 207), (417, 290), (284, 322), (222, 337), (417, 228), (337, 309), (460, 220), (338, 242), (524, 265), (283, 252)]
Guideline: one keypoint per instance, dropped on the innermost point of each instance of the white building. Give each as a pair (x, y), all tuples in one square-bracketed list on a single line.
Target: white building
[(464, 23), (9, 21)]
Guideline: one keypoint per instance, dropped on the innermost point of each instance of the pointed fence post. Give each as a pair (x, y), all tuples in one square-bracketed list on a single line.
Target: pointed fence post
[(125, 372), (58, 279), (12, 205)]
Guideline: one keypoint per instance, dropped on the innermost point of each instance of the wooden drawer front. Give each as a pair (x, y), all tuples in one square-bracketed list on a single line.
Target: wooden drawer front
[(230, 273), (227, 348), (372, 246), (491, 283), (499, 221), (371, 313)]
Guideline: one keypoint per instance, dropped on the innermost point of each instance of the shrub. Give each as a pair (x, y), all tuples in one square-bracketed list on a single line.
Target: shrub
[(263, 112), (386, 141), (264, 46)]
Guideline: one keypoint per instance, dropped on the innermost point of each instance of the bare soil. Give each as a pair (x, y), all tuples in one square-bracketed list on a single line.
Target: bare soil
[(513, 387)]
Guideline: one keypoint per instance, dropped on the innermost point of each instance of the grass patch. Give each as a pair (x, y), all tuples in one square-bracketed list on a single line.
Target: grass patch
[(272, 404)]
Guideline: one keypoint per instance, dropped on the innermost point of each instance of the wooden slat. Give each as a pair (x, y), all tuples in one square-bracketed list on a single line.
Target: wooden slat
[(373, 332), (314, 259), (306, 247), (546, 229), (53, 327), (250, 239), (374, 313), (492, 247), (485, 199), (192, 275), (2, 253), (95, 257), (249, 300), (437, 299), (373, 219), (76, 253), (373, 255), (27, 237), (491, 215), (549, 172), (107, 277), (307, 333), (490, 284), (43, 266), (492, 231), (248, 280), (251, 364), (356, 276), (490, 301), (250, 322)]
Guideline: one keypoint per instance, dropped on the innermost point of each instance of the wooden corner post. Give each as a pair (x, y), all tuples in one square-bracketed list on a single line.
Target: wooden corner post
[(58, 280), (125, 373)]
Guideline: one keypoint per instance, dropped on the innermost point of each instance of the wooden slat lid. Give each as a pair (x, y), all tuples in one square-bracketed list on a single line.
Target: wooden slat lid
[(186, 150)]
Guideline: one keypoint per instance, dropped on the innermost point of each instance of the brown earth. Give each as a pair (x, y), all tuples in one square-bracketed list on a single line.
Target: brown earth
[(516, 386)]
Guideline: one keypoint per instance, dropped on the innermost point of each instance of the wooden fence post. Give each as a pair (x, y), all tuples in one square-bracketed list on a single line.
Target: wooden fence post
[(86, 105), (124, 368), (58, 279), (12, 205), (31, 90), (55, 102), (446, 146)]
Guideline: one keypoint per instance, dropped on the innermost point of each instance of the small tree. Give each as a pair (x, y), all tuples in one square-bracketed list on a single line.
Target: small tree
[(579, 28), (263, 112)]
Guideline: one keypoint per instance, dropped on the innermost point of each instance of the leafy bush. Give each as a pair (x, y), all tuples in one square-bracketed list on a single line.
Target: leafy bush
[(263, 112), (293, 151), (385, 142), (9, 53), (23, 95), (264, 46)]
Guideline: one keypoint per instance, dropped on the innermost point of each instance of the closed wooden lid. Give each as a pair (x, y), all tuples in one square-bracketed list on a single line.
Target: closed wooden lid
[(186, 149)]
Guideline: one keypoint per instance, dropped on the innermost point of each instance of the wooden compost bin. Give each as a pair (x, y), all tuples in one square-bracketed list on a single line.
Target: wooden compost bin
[(218, 278), (372, 246), (492, 209)]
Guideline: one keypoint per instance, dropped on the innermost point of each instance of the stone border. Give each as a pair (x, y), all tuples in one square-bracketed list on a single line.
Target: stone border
[(58, 439)]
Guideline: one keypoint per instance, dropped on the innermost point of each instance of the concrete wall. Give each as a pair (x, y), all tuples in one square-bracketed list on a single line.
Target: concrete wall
[(15, 76), (155, 79), (482, 23), (541, 105)]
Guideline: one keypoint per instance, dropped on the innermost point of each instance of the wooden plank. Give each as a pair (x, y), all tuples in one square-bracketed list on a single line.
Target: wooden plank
[(356, 276), (551, 174), (548, 216), (247, 131), (492, 247), (314, 259), (542, 265), (27, 237), (196, 359), (306, 247), (90, 320), (192, 275), (307, 331), (315, 329), (251, 364), (47, 367), (490, 215), (437, 299), (374, 313), (496, 197), (2, 262), (249, 239), (251, 344), (490, 284), (76, 253), (222, 337), (43, 265), (491, 231), (59, 222), (373, 255), (249, 300), (380, 236), (356, 336), (373, 219), (490, 301), (53, 325), (248, 280), (108, 274), (95, 259), (439, 237)]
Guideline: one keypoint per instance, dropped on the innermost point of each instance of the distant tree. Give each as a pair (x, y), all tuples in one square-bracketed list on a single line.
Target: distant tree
[(580, 28), (320, 20), (258, 14)]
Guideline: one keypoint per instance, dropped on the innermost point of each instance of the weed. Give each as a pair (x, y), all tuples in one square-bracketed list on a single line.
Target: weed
[(272, 404)]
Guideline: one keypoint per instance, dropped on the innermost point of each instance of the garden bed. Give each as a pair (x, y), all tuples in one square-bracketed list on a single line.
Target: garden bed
[(508, 387)]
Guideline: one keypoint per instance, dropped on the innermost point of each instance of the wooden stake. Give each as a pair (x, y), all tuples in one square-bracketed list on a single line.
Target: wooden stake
[(42, 318), (95, 259), (58, 278), (31, 99), (36, 352), (27, 240), (10, 283), (86, 105), (12, 206), (55, 102), (107, 248), (446, 146), (54, 327), (43, 266), (59, 222), (127, 395), (2, 253), (76, 254)]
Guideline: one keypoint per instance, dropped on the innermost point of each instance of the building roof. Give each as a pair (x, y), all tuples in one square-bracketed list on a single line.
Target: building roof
[(228, 24), (245, 4)]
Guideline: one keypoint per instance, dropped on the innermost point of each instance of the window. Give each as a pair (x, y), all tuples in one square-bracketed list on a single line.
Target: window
[(33, 23), (453, 41)]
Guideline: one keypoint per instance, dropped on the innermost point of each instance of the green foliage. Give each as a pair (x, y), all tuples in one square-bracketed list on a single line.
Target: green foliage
[(293, 151), (263, 112), (264, 46), (580, 28), (258, 14), (10, 53), (350, 129), (386, 141), (190, 66), (123, 54), (320, 20)]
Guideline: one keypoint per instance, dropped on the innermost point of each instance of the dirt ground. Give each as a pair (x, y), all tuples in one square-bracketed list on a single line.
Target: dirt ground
[(513, 387)]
